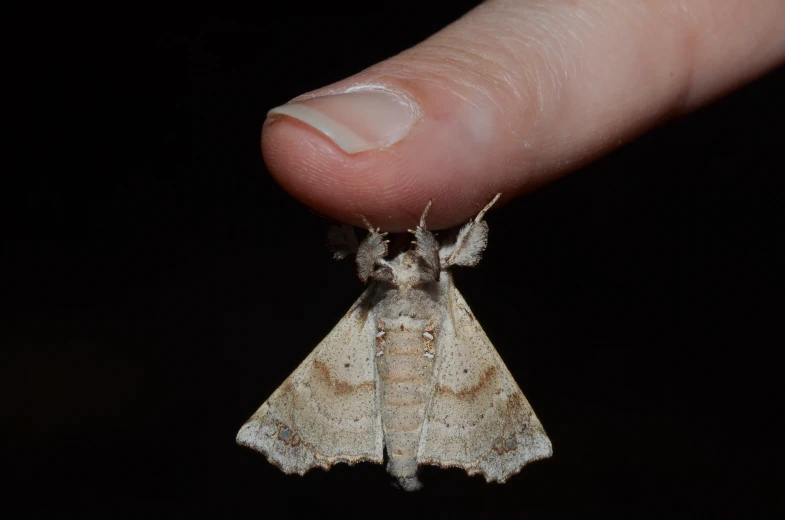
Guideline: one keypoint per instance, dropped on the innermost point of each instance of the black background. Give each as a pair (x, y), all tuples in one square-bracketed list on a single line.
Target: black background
[(159, 286)]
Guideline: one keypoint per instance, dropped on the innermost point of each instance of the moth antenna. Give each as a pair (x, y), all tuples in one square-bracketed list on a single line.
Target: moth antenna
[(424, 214), (486, 208)]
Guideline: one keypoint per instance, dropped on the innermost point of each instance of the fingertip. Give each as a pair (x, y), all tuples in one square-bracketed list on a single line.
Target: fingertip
[(390, 184), (506, 99), (314, 170)]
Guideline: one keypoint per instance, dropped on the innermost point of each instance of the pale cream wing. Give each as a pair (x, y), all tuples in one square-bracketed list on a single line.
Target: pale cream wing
[(326, 411), (478, 418)]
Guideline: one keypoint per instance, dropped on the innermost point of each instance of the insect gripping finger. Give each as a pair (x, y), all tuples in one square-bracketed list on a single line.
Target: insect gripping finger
[(408, 371)]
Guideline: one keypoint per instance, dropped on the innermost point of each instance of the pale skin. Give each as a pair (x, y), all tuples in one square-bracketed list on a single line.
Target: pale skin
[(520, 92)]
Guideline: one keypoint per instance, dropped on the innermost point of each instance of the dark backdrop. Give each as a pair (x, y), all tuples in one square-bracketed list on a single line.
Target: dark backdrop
[(159, 286)]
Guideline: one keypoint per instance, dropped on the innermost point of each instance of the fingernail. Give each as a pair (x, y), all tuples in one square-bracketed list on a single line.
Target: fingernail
[(358, 120)]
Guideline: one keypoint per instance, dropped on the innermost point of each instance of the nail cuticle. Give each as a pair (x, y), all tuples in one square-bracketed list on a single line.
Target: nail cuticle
[(361, 118)]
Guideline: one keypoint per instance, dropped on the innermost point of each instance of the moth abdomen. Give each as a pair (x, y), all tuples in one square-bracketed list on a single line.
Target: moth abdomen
[(405, 377)]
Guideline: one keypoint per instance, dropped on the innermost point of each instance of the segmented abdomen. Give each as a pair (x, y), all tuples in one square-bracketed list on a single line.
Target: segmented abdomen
[(405, 364)]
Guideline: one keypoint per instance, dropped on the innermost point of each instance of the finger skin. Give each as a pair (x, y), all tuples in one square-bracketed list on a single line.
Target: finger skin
[(517, 93)]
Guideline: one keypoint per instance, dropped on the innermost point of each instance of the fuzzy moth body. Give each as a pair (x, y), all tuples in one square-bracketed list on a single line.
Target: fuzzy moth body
[(408, 371)]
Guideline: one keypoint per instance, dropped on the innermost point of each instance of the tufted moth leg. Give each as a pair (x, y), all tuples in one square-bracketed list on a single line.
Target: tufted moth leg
[(470, 242), (427, 249), (342, 241), (371, 252)]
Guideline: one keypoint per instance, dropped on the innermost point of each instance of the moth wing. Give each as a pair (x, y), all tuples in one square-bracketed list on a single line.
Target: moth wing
[(326, 411), (478, 418)]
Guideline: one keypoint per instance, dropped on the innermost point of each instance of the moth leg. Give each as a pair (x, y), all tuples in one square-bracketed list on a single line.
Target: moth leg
[(470, 243), (370, 252), (427, 248), (342, 241)]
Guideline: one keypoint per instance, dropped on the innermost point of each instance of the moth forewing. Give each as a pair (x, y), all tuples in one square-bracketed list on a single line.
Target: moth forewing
[(408, 371), (478, 418), (326, 411)]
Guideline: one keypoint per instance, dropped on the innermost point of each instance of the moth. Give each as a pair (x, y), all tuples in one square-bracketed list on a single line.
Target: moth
[(408, 370)]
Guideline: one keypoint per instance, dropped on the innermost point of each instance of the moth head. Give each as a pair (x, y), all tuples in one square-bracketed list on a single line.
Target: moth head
[(418, 265), (407, 270), (409, 261), (404, 271)]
